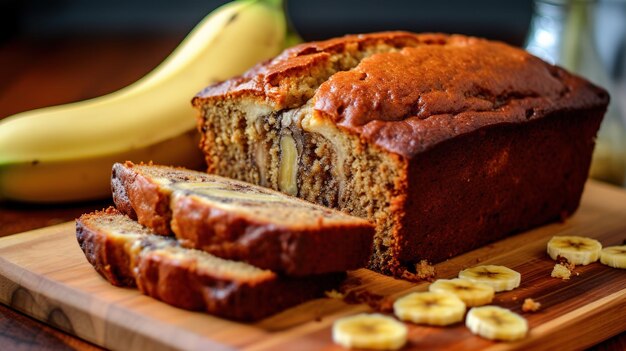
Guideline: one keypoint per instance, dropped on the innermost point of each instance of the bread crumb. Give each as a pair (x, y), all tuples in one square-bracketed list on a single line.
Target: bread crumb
[(334, 294), (375, 301), (423, 271), (563, 268), (530, 305), (564, 261), (353, 292), (561, 271)]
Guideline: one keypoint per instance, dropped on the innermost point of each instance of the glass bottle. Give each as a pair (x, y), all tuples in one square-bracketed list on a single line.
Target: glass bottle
[(562, 33)]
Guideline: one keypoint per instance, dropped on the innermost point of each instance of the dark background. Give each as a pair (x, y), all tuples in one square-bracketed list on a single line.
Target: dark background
[(59, 51), (506, 20), (45, 33), (496, 19)]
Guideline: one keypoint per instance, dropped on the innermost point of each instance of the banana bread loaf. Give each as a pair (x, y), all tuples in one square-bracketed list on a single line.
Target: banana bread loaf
[(444, 142), (241, 221), (128, 254)]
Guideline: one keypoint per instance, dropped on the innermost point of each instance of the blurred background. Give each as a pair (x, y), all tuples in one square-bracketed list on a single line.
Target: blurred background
[(55, 23), (50, 22), (319, 19), (57, 51)]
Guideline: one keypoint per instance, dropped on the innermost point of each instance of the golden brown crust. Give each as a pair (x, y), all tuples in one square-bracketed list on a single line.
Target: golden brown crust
[(140, 199), (432, 88), (463, 86), (290, 248), (295, 252), (265, 80), (180, 285), (119, 177), (108, 258), (128, 258)]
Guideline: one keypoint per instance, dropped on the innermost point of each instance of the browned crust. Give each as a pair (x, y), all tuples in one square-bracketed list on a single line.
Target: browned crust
[(140, 199), (406, 116), (397, 205), (263, 80), (483, 186), (182, 286), (120, 177), (464, 84), (107, 257), (295, 252)]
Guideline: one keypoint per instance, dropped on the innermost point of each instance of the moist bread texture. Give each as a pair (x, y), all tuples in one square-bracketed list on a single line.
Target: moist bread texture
[(127, 254), (241, 221), (445, 142)]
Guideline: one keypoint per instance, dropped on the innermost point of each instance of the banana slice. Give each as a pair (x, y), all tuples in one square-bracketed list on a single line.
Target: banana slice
[(577, 249), (500, 278), (433, 308), (614, 256), (370, 331), (472, 293), (496, 323)]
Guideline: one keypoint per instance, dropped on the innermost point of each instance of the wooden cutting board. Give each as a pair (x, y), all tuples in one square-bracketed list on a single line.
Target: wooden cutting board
[(44, 274)]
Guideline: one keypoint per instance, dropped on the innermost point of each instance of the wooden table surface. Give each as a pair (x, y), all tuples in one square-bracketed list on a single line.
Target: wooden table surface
[(37, 74)]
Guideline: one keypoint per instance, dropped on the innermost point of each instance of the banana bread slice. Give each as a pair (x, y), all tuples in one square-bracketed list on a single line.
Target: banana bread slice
[(445, 142), (241, 221), (128, 254)]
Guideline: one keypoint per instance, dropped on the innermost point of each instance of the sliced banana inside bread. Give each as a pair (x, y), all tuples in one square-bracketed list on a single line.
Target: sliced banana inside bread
[(240, 221), (128, 254)]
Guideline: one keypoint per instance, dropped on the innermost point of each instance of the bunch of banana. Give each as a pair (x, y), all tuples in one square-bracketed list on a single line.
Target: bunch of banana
[(432, 308), (501, 278), (577, 250), (65, 153), (614, 256), (471, 293), (370, 331), (496, 323)]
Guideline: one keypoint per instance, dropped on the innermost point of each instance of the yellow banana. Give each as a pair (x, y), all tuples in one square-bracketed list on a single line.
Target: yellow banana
[(500, 278), (577, 250), (373, 331), (432, 308), (470, 292), (614, 256), (496, 323), (65, 153)]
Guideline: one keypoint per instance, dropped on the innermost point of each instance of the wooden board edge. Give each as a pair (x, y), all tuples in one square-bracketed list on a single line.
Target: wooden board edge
[(77, 319), (15, 238), (590, 324)]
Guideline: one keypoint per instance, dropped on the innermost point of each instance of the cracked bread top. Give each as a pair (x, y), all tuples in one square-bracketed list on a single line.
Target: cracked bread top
[(407, 92)]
